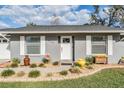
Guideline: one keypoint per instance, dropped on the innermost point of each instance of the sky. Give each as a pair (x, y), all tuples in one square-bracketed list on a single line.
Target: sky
[(18, 16)]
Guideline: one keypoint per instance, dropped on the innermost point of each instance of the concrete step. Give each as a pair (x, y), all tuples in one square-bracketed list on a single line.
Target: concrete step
[(66, 62)]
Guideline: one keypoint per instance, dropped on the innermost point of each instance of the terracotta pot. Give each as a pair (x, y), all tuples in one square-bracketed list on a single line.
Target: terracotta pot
[(26, 60)]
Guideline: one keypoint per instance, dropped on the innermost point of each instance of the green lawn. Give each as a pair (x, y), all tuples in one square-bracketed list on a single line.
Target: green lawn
[(105, 78)]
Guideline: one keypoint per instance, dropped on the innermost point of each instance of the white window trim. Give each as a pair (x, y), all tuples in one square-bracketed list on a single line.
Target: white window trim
[(22, 45), (43, 45), (23, 50), (110, 45), (88, 45)]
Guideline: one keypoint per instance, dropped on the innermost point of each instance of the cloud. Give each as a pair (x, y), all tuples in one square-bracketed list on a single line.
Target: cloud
[(45, 15), (3, 25)]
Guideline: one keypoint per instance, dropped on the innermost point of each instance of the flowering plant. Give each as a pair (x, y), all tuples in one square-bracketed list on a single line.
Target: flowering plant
[(46, 58)]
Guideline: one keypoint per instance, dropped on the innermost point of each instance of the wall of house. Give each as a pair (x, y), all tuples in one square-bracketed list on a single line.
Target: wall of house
[(118, 50), (80, 46), (53, 47)]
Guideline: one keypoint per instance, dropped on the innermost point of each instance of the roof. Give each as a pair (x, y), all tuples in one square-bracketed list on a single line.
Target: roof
[(63, 29)]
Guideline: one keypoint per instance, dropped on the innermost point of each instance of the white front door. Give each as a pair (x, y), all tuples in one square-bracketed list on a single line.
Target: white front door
[(4, 49), (66, 48)]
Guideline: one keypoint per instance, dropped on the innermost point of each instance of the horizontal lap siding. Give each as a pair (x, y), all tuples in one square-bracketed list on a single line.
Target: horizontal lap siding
[(80, 46), (53, 47), (15, 46), (118, 50), (15, 50)]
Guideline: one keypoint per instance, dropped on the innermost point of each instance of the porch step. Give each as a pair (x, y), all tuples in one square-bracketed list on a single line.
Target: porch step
[(66, 62)]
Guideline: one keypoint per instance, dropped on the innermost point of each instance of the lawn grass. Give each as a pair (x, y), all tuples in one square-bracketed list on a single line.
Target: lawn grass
[(109, 78)]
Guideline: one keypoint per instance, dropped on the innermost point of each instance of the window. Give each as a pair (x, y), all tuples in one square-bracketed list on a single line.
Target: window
[(66, 40), (32, 44), (99, 44)]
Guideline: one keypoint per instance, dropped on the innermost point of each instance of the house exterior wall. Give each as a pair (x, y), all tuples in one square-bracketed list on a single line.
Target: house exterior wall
[(118, 50), (80, 46), (52, 42)]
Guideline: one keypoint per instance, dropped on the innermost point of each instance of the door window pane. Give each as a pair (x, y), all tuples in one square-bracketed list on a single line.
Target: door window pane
[(66, 40)]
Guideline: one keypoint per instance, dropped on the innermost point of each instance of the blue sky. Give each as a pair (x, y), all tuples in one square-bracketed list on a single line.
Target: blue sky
[(18, 16)]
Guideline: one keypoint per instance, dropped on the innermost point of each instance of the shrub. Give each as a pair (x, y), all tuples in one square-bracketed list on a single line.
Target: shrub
[(33, 66), (89, 60), (15, 60), (21, 73), (45, 60), (7, 73), (55, 63), (13, 65), (34, 74), (64, 72), (75, 70), (49, 74), (89, 67), (41, 65)]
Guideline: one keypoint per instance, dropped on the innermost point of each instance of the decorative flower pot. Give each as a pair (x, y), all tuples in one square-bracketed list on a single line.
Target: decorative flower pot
[(26, 60)]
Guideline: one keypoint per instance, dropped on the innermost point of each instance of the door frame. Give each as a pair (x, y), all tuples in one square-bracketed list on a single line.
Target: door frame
[(71, 48)]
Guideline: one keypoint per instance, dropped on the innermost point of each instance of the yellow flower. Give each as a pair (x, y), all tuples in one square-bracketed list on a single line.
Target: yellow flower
[(81, 62)]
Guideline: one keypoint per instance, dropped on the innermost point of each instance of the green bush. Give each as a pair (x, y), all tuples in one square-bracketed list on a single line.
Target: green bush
[(34, 74), (15, 60), (64, 72), (45, 60), (89, 67), (21, 73), (89, 60), (55, 63), (75, 70), (33, 66), (78, 65), (41, 65), (7, 73), (14, 65), (49, 74)]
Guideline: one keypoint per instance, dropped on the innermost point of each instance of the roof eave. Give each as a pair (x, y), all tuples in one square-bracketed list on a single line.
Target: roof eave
[(55, 32)]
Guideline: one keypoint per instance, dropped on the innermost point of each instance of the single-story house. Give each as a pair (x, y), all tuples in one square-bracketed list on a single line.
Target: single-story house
[(62, 42)]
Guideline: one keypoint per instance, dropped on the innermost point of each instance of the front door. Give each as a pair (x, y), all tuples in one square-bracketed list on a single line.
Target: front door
[(4, 49), (66, 48)]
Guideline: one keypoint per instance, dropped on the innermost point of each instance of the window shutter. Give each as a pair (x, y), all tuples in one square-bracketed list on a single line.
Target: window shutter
[(88, 45), (110, 45), (42, 43), (22, 45)]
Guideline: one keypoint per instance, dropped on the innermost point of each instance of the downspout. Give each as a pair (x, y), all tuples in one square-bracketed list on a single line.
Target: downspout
[(4, 36)]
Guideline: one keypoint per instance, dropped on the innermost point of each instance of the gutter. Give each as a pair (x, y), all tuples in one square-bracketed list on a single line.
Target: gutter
[(56, 32)]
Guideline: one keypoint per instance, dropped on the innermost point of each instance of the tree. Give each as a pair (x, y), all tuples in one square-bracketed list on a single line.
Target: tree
[(114, 14), (31, 24)]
